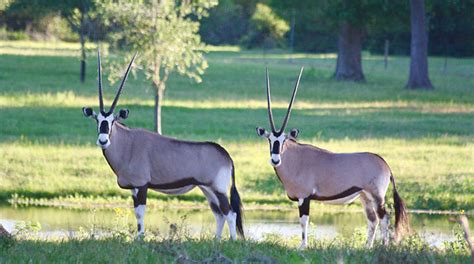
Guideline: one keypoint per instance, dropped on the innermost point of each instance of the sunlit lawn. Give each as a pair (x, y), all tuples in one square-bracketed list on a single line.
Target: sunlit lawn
[(47, 146)]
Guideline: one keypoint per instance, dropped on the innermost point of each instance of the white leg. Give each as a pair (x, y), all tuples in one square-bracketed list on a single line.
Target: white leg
[(214, 204), (140, 215), (371, 227), (231, 221), (384, 224), (372, 220), (139, 203), (220, 221), (304, 220), (303, 208)]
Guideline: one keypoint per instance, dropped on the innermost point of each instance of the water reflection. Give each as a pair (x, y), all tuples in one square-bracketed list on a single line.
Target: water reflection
[(258, 224)]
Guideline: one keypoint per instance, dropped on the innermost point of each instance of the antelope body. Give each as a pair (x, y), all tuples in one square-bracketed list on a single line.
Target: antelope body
[(143, 160), (311, 173)]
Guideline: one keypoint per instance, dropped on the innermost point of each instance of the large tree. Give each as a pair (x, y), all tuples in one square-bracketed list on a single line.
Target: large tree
[(349, 53), (418, 78), (165, 33)]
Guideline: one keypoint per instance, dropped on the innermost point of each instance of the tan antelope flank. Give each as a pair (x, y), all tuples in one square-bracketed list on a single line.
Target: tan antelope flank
[(143, 160), (311, 173)]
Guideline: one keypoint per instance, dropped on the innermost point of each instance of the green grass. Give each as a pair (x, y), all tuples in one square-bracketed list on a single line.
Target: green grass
[(209, 251), (175, 248), (48, 152)]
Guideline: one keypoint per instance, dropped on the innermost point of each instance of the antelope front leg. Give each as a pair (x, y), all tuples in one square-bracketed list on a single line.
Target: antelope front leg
[(303, 206), (139, 203)]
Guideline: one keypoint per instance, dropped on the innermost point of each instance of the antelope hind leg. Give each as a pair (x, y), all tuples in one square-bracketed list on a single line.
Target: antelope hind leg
[(372, 220), (214, 204)]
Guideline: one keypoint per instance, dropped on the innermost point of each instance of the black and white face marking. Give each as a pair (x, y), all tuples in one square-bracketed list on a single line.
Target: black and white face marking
[(104, 124), (104, 128), (276, 140)]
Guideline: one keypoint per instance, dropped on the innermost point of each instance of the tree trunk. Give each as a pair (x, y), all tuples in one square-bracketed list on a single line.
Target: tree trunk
[(349, 55), (83, 49), (385, 53), (292, 34), (418, 78), (158, 101), (446, 53)]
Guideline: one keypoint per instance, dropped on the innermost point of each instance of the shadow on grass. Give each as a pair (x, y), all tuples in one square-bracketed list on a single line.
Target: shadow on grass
[(67, 125)]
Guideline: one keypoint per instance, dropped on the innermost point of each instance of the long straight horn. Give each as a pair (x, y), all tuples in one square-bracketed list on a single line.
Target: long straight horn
[(101, 100), (285, 122), (269, 103), (112, 108)]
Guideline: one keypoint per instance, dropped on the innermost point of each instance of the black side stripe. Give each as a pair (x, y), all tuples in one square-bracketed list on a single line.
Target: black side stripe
[(170, 185), (343, 194)]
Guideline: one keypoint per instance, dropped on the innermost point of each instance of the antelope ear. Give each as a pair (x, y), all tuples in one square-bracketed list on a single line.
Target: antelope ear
[(261, 132), (88, 112), (294, 133), (123, 114)]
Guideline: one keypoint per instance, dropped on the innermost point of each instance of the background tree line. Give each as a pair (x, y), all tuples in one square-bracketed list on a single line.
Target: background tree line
[(450, 24), (267, 24)]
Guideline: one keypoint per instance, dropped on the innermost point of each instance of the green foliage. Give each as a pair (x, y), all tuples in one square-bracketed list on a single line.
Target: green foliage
[(13, 35), (26, 229), (267, 29), (226, 24), (164, 33), (459, 245)]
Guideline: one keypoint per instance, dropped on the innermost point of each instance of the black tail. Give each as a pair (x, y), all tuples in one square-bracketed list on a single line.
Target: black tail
[(236, 204), (402, 224)]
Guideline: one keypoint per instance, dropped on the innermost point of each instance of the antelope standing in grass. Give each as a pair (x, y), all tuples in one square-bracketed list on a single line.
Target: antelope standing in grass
[(143, 160), (311, 173)]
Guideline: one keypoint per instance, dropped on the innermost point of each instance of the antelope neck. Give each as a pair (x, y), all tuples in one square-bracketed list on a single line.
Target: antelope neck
[(117, 143)]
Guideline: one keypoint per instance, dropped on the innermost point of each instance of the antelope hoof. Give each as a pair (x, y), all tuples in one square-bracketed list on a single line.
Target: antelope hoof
[(302, 246), (140, 236)]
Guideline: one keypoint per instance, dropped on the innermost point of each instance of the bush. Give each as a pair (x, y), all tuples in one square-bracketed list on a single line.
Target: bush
[(267, 29), (13, 35), (226, 25)]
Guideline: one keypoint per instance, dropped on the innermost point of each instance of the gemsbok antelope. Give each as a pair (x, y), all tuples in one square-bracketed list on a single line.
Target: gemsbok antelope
[(311, 173), (143, 160)]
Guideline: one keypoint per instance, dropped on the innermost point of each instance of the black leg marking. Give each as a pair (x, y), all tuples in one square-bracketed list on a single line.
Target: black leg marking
[(381, 211), (380, 208), (139, 227), (368, 207), (304, 208), (223, 202), (140, 198), (215, 208), (370, 214), (302, 235)]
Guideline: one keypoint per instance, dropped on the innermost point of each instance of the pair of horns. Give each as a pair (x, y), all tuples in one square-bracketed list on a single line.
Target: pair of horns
[(269, 101), (124, 79)]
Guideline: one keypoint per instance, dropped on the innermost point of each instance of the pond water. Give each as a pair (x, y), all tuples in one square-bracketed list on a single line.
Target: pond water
[(257, 223)]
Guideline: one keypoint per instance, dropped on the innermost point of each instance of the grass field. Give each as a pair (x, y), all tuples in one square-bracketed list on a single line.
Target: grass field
[(48, 148), (176, 247)]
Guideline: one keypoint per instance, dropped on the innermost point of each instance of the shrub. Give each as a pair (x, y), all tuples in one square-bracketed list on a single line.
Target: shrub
[(267, 29)]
